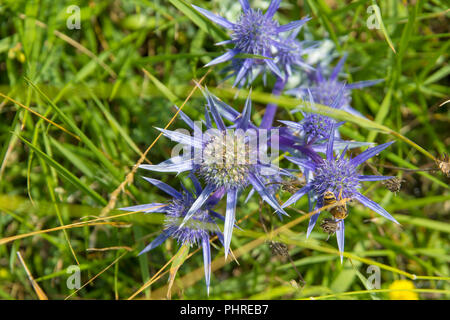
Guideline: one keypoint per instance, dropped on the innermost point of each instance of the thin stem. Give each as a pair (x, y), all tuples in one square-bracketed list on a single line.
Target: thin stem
[(271, 108)]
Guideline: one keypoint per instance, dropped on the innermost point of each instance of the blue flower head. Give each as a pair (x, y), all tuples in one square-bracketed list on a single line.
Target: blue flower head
[(324, 91), (223, 158), (314, 130), (339, 175), (253, 33), (290, 53), (196, 231)]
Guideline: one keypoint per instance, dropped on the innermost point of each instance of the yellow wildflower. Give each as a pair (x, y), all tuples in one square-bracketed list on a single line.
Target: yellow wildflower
[(402, 295)]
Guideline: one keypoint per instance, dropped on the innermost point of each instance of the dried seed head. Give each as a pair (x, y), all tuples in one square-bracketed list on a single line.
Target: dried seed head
[(444, 164), (278, 249), (393, 184), (226, 161)]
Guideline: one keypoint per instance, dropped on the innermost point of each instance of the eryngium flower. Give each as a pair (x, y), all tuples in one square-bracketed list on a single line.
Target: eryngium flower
[(254, 33), (314, 130), (290, 54), (227, 161), (196, 231), (339, 175), (324, 91)]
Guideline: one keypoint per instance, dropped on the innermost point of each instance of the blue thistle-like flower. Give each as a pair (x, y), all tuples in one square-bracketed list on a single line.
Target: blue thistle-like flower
[(340, 176), (290, 54), (316, 126), (324, 91), (314, 130), (253, 33), (196, 231), (223, 158)]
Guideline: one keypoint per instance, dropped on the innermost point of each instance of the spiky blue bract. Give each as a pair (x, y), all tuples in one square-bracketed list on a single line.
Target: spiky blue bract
[(257, 33), (290, 53), (324, 90), (227, 159), (316, 128), (339, 175), (313, 131), (195, 232)]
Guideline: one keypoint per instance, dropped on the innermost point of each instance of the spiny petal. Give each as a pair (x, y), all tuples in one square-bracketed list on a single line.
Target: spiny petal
[(207, 261), (245, 5), (363, 84), (303, 163), (220, 236), (340, 235), (221, 43), (338, 67), (319, 75), (198, 203), (250, 194), (312, 223), (374, 206), (296, 196), (214, 18), (158, 240), (274, 68), (244, 121), (207, 118), (147, 208), (223, 58), (164, 187), (186, 119), (340, 144), (374, 178), (293, 25), (229, 219), (273, 7), (369, 153), (243, 71), (174, 167), (212, 107), (225, 110), (338, 99), (264, 193), (292, 124), (216, 197), (181, 138), (197, 185), (330, 145)]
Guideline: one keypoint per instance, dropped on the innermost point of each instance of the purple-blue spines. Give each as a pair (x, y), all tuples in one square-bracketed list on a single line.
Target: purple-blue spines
[(335, 175), (324, 93), (226, 169), (316, 127), (199, 226), (340, 176), (273, 183), (289, 53), (191, 230), (254, 33), (324, 90)]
